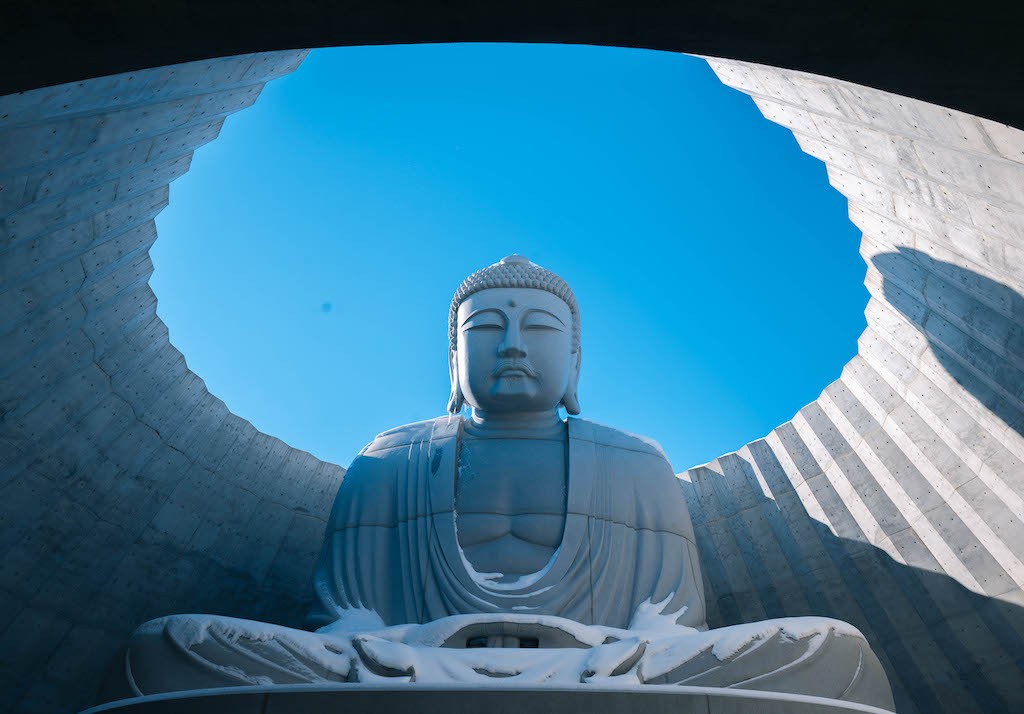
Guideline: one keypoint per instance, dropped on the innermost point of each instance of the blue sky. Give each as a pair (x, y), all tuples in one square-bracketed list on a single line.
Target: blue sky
[(306, 261)]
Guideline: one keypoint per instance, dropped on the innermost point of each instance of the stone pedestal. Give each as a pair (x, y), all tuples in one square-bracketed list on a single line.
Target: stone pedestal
[(468, 699)]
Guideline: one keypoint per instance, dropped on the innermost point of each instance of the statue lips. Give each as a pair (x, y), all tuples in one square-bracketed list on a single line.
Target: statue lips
[(515, 369)]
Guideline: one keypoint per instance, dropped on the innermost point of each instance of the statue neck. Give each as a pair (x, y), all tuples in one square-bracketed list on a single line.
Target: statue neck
[(523, 425)]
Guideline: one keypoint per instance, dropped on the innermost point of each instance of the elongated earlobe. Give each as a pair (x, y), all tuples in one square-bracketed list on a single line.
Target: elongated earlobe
[(571, 400), (455, 400)]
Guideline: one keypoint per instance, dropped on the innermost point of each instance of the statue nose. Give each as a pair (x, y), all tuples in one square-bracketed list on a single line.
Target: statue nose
[(512, 350), (512, 346)]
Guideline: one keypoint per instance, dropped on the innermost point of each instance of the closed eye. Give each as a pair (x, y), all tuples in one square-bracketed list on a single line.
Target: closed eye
[(487, 319), (542, 320)]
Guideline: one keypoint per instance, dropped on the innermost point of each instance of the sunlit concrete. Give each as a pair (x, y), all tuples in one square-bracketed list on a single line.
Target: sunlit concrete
[(895, 500)]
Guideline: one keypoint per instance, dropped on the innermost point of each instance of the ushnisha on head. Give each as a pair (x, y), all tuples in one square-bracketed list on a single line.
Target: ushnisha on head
[(514, 341)]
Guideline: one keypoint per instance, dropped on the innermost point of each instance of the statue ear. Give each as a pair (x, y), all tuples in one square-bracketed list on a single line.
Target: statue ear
[(455, 400), (571, 400)]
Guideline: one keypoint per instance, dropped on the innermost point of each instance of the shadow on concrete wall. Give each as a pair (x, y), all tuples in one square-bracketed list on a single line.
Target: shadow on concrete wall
[(973, 324), (944, 647)]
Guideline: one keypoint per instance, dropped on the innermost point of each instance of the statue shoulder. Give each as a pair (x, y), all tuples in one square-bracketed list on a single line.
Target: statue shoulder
[(402, 436), (373, 490), (644, 490), (615, 438)]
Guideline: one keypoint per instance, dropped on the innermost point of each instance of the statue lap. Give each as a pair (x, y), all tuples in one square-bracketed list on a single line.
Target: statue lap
[(620, 602)]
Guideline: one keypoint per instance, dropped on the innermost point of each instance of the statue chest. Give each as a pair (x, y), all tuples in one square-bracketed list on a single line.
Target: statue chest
[(510, 497)]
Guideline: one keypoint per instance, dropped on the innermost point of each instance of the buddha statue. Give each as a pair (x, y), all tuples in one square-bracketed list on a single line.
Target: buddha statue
[(509, 546)]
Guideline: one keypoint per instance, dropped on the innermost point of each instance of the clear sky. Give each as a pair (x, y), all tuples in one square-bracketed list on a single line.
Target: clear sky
[(306, 262)]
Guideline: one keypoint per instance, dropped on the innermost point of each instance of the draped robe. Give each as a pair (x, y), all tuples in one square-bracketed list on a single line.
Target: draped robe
[(392, 543)]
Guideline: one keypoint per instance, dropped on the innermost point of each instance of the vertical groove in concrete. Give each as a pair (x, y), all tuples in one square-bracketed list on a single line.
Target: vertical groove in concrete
[(128, 490), (909, 469)]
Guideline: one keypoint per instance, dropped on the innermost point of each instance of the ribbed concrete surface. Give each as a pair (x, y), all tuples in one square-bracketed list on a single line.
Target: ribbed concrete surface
[(896, 500), (127, 490)]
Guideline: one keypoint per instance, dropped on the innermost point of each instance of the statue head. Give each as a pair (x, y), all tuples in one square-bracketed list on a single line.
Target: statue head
[(514, 340)]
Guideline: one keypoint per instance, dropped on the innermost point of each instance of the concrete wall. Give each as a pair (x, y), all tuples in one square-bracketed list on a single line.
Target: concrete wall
[(896, 500), (127, 489)]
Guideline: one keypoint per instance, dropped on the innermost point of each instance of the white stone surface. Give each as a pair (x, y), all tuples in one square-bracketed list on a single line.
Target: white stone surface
[(441, 699)]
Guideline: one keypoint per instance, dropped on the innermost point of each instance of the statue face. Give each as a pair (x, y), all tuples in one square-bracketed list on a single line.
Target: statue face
[(514, 349)]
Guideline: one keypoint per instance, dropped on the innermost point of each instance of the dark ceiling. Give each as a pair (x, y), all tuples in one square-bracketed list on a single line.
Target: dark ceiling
[(969, 56)]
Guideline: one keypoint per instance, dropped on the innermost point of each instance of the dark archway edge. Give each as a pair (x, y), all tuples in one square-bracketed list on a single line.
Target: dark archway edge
[(965, 56)]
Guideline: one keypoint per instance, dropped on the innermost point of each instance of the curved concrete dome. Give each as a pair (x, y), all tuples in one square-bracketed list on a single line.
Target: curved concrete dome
[(895, 501)]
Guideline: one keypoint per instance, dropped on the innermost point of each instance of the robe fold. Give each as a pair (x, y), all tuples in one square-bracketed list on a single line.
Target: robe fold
[(392, 543)]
